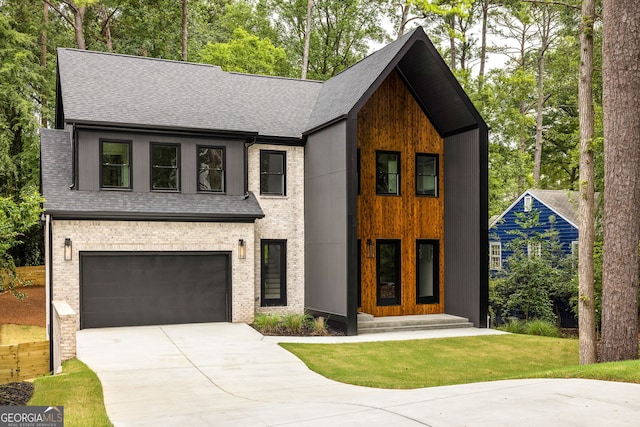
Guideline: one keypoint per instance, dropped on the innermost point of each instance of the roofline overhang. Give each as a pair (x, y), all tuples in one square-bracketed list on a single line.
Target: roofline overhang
[(151, 216), (184, 131), (528, 192)]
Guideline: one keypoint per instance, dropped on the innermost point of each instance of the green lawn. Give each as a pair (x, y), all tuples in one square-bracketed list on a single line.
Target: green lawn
[(437, 362), (79, 390)]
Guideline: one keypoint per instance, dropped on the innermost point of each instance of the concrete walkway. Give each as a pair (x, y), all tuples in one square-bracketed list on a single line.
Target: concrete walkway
[(222, 374)]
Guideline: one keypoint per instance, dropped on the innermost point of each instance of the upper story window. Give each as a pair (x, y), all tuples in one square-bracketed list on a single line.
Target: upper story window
[(211, 169), (272, 172), (528, 203), (165, 167), (387, 173), (427, 175), (115, 171)]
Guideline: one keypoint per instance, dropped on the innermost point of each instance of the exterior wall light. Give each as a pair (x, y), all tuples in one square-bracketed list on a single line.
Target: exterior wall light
[(370, 250), (68, 249), (242, 249)]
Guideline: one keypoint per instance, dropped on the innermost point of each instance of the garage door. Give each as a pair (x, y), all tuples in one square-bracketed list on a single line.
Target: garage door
[(143, 288)]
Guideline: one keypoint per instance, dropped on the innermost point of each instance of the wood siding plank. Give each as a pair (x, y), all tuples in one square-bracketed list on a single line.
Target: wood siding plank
[(393, 121)]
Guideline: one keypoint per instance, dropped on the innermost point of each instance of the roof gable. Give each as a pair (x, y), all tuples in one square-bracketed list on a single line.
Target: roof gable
[(425, 73), (563, 203)]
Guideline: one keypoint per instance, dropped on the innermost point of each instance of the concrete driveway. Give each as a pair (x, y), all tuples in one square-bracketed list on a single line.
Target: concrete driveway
[(222, 374)]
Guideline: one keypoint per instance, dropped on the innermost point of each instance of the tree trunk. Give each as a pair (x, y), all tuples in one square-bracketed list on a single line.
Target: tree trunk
[(184, 30), (43, 62), (452, 41), (107, 28), (537, 157), (586, 235), (307, 41), (78, 26), (404, 8), (483, 46), (621, 85)]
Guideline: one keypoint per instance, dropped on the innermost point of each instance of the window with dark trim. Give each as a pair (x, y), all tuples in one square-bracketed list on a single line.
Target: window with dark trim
[(273, 272), (115, 159), (427, 175), (387, 173), (273, 172), (388, 272), (427, 272), (211, 165), (165, 167)]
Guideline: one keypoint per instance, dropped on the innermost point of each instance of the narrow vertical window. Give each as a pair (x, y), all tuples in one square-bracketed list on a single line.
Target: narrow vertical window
[(534, 249), (428, 272), (427, 175), (528, 203), (211, 169), (387, 173), (115, 171), (388, 272), (273, 272), (495, 255), (165, 167), (272, 172)]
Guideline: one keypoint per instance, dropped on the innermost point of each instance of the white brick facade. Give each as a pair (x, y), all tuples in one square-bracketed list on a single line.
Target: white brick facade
[(153, 236), (284, 220)]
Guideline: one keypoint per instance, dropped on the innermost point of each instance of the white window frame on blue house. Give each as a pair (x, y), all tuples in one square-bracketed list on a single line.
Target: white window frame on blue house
[(495, 255), (528, 203), (534, 249)]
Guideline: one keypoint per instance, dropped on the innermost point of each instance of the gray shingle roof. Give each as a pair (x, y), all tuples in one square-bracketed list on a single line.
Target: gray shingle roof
[(564, 202), (102, 88), (107, 88), (62, 202)]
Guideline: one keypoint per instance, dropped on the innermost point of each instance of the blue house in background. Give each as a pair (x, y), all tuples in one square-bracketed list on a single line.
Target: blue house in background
[(556, 208)]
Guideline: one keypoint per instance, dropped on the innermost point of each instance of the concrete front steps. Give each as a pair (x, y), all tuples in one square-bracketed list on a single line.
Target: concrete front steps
[(368, 324)]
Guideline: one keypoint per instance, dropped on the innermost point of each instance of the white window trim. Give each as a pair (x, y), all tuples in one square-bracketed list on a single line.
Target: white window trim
[(528, 203), (495, 260), (534, 249)]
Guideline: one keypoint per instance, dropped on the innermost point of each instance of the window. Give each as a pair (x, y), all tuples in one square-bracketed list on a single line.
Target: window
[(211, 169), (387, 173), (495, 255), (388, 272), (273, 281), (534, 249), (116, 164), (528, 203), (428, 272), (272, 172), (427, 175), (165, 167)]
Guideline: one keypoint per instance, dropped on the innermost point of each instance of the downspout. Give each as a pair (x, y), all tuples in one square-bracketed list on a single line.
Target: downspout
[(48, 229), (74, 160), (248, 143)]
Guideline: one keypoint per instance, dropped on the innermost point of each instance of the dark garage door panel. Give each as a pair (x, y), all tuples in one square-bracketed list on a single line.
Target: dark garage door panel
[(130, 289)]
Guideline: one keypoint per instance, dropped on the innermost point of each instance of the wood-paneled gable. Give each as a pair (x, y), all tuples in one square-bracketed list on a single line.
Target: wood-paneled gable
[(392, 120)]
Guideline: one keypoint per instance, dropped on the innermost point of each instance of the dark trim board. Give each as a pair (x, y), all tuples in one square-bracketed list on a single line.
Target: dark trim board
[(154, 287)]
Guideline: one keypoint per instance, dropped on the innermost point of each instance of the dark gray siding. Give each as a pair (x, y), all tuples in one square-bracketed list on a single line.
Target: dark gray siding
[(89, 160), (465, 269), (326, 221)]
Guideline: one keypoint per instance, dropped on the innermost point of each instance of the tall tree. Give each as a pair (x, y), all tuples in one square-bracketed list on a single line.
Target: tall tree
[(184, 29), (621, 85), (307, 40), (586, 203)]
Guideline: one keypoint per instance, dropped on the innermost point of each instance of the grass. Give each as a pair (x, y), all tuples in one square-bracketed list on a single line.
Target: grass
[(79, 390), (438, 362), (15, 334)]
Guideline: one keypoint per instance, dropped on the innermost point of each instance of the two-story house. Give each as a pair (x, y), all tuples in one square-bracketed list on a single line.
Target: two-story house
[(177, 192)]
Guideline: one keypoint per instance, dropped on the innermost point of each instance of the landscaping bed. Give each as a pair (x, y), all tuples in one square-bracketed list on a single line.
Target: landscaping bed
[(15, 394)]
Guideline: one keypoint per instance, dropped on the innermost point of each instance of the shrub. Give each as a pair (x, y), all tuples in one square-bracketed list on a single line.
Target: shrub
[(267, 323), (295, 323), (319, 326), (542, 328)]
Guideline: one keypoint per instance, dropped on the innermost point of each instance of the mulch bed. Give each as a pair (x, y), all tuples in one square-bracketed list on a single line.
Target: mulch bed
[(15, 394), (29, 311)]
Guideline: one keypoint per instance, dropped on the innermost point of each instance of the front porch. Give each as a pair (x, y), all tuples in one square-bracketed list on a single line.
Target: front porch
[(368, 324)]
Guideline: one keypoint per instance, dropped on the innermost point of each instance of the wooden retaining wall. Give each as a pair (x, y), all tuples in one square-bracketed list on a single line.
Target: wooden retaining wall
[(24, 361), (33, 274)]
